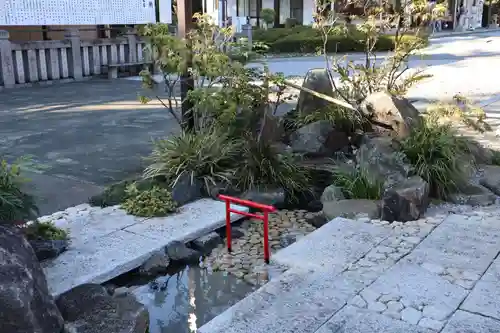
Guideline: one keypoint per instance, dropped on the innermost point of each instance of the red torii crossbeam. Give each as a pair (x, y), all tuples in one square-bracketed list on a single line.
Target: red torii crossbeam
[(264, 217)]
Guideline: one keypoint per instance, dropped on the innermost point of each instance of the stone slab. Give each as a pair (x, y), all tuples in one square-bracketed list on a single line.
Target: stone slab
[(484, 299), (417, 288), (192, 221), (465, 322), (299, 301), (98, 260), (104, 256), (460, 242), (91, 223), (354, 320), (337, 244)]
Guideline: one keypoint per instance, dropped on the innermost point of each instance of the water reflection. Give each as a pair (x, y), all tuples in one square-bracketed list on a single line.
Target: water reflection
[(185, 301)]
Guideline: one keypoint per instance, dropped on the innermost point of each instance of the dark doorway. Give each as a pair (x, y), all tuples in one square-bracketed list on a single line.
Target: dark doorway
[(198, 6), (297, 10)]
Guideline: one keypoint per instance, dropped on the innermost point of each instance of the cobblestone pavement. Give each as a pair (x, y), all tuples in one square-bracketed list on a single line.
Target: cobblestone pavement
[(437, 274)]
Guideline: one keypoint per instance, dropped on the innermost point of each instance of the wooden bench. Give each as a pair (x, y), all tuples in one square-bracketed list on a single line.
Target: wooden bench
[(113, 68)]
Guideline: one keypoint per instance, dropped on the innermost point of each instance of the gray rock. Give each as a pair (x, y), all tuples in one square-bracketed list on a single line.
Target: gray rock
[(266, 196), (405, 201), (89, 309), (394, 112), (26, 305), (411, 315), (491, 178), (318, 139), (187, 190), (46, 249), (178, 251), (317, 220), (474, 195), (481, 154), (350, 208), (332, 193), (207, 242), (316, 79), (156, 264), (287, 240), (381, 159)]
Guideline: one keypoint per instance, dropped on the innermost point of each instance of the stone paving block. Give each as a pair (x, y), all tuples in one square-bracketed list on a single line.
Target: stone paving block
[(335, 245), (86, 226), (418, 289), (493, 272), (299, 301), (465, 322), (98, 260), (460, 243), (353, 320), (192, 221), (484, 299)]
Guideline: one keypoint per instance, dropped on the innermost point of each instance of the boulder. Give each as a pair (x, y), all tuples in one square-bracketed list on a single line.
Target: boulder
[(350, 208), (491, 178), (317, 220), (179, 252), (316, 79), (266, 196), (207, 242), (90, 309), (187, 190), (473, 195), (381, 159), (318, 139), (156, 264), (26, 305), (47, 249), (481, 154), (332, 193), (406, 200), (397, 113)]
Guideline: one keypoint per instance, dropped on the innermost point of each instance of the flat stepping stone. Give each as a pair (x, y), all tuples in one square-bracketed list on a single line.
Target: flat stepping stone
[(299, 301), (335, 245), (104, 246), (467, 322), (353, 320)]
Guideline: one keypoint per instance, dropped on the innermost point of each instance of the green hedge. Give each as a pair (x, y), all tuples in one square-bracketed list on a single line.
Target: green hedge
[(304, 39)]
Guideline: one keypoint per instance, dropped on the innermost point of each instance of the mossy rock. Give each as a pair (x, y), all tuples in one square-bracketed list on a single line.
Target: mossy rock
[(115, 194)]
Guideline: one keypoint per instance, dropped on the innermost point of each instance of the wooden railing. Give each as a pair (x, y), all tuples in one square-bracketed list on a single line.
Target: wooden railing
[(25, 63)]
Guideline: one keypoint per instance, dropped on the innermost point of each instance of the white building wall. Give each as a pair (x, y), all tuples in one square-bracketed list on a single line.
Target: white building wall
[(308, 13)]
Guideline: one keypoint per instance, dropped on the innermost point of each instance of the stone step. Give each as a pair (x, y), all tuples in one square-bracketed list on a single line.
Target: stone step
[(106, 242), (303, 298)]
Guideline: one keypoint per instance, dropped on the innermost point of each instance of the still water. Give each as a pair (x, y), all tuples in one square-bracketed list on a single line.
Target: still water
[(187, 299)]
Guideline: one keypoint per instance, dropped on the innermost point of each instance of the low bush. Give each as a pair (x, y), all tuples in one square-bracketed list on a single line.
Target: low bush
[(358, 185), (440, 156), (44, 231), (206, 155), (154, 202), (305, 39), (116, 194), (16, 206), (260, 164)]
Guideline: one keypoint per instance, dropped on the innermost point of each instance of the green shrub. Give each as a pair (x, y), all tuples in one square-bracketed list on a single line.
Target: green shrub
[(208, 156), (15, 205), (267, 15), (306, 39), (358, 185), (439, 156), (116, 194), (44, 231), (260, 164), (495, 160), (153, 202)]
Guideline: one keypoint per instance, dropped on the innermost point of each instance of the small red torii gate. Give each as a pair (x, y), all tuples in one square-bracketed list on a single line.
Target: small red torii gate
[(264, 217)]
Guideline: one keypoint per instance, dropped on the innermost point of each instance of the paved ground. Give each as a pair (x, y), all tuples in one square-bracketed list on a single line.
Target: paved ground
[(82, 136), (438, 274)]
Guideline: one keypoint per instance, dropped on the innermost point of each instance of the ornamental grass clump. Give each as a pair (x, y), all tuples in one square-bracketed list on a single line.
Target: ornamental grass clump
[(440, 156)]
